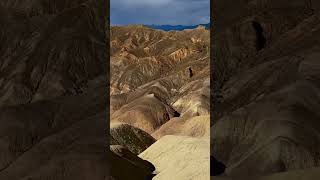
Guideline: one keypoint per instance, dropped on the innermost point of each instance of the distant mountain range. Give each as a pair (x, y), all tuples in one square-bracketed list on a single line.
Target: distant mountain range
[(177, 27)]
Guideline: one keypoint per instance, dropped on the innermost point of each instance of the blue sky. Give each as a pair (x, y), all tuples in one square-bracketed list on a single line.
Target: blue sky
[(160, 12)]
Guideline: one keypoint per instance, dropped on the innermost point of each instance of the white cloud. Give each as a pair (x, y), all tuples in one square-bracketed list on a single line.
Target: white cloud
[(204, 20)]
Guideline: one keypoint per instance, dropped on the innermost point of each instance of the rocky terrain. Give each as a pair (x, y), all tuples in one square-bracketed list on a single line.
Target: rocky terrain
[(53, 65), (54, 72), (160, 100), (266, 88)]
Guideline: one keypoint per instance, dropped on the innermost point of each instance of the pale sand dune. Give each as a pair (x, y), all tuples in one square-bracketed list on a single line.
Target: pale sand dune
[(180, 158)]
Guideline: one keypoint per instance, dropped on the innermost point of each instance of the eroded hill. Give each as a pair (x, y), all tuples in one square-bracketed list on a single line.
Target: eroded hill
[(160, 83), (266, 56), (52, 90)]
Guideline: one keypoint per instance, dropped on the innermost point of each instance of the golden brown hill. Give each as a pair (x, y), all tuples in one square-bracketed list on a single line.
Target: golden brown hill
[(158, 75), (140, 55)]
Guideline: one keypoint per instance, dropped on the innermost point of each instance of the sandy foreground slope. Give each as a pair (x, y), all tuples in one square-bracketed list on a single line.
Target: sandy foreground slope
[(180, 157)]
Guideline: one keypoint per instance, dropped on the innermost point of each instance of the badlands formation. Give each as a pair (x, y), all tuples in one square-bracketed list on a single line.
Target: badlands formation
[(266, 100), (160, 101), (53, 90), (54, 93)]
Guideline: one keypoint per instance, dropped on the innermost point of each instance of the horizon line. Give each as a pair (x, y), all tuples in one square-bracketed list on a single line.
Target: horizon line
[(158, 24)]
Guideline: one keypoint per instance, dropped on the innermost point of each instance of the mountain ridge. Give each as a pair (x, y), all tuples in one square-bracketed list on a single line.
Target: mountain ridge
[(167, 27), (177, 27)]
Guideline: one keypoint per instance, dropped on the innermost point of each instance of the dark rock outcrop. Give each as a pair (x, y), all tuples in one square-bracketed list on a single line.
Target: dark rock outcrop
[(134, 139), (127, 166), (216, 167)]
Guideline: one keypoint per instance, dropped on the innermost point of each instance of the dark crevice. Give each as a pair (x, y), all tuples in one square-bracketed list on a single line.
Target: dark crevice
[(150, 176), (260, 39), (176, 114), (190, 72), (216, 167), (151, 168)]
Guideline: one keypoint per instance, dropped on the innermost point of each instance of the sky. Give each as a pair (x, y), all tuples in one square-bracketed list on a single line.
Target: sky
[(160, 12)]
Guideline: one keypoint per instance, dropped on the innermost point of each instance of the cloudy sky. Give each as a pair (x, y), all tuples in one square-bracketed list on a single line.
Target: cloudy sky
[(172, 12)]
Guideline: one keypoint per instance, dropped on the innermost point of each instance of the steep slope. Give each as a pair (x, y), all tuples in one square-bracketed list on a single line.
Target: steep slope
[(267, 101), (50, 55), (53, 90), (132, 138), (57, 138)]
